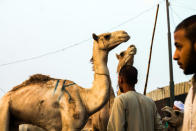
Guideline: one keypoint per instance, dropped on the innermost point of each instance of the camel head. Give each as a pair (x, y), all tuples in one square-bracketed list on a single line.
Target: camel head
[(104, 43), (173, 117), (108, 41), (126, 57)]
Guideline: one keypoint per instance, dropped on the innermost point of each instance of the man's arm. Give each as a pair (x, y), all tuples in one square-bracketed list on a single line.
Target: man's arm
[(117, 117)]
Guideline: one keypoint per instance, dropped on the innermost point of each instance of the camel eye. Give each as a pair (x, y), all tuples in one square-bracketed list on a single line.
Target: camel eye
[(107, 37), (122, 54)]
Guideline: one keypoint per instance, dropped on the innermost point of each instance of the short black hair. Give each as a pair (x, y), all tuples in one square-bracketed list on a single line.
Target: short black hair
[(189, 25), (129, 74)]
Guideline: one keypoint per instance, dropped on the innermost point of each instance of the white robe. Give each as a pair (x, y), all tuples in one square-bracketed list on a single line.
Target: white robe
[(189, 122), (133, 111)]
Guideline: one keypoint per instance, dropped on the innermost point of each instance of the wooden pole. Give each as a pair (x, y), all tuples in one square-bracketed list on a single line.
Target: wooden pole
[(151, 50), (171, 83)]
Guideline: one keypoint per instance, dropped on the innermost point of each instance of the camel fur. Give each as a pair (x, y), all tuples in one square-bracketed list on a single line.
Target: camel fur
[(57, 104)]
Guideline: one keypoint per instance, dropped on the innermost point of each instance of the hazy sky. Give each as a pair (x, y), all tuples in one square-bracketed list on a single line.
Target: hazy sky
[(30, 28)]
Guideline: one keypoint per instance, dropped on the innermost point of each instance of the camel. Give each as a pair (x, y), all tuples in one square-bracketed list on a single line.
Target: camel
[(126, 57), (100, 119), (173, 117), (57, 104)]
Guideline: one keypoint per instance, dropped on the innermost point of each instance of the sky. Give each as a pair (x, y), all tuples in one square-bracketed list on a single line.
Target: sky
[(54, 37)]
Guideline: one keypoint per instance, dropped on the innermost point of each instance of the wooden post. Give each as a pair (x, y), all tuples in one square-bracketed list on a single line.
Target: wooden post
[(151, 50), (171, 83)]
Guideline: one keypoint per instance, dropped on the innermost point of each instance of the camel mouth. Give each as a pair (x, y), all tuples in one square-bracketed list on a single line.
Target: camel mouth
[(125, 38), (132, 51), (122, 40), (167, 114)]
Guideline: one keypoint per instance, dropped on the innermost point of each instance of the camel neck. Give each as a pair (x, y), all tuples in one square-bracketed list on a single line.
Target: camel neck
[(100, 59), (98, 94)]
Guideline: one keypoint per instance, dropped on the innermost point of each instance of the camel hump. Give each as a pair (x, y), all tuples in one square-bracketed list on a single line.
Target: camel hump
[(34, 79), (38, 78)]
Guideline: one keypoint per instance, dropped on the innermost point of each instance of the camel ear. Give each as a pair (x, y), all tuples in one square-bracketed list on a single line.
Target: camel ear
[(117, 56), (95, 37)]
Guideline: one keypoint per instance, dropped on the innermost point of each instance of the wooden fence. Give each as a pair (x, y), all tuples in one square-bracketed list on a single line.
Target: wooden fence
[(161, 96)]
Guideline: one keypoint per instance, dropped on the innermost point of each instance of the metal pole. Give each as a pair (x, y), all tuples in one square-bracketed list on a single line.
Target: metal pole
[(151, 50), (171, 83)]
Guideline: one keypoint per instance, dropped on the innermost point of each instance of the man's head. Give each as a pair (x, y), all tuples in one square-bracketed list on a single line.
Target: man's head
[(178, 105), (127, 77), (185, 42)]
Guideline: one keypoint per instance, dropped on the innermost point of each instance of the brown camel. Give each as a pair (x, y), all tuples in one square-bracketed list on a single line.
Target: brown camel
[(174, 118), (126, 57), (100, 119), (61, 105)]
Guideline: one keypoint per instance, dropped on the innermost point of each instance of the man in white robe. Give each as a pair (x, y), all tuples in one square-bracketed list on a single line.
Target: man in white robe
[(185, 55), (132, 111)]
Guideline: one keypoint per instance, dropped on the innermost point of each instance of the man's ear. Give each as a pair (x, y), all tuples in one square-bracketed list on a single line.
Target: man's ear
[(120, 79)]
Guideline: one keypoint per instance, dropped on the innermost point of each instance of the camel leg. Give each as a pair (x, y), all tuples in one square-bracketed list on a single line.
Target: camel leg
[(4, 113)]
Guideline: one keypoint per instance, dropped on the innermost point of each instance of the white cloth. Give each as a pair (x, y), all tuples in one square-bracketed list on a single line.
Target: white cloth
[(179, 105), (189, 122), (133, 111)]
